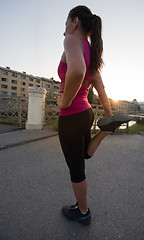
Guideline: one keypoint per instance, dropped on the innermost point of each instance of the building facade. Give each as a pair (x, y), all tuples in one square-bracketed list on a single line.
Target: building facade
[(14, 83), (52, 88)]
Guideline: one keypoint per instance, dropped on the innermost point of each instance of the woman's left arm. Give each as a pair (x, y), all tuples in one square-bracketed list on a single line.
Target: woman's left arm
[(76, 70), (99, 86)]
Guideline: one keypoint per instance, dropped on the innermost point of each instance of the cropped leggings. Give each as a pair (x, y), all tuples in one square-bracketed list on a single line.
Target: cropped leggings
[(75, 135)]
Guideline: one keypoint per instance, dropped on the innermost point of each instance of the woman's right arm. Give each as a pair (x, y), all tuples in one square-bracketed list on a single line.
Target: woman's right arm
[(97, 83), (76, 70)]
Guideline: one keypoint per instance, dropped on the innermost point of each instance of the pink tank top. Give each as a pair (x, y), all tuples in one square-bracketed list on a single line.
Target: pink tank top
[(80, 102)]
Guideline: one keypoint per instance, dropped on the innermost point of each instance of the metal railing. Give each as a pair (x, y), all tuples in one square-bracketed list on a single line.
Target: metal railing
[(13, 110), (51, 114), (98, 113)]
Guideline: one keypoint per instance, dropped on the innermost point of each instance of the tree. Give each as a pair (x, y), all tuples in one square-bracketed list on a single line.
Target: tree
[(90, 94), (135, 106)]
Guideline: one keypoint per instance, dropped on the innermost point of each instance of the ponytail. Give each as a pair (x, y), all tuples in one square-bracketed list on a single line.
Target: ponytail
[(92, 27), (96, 45)]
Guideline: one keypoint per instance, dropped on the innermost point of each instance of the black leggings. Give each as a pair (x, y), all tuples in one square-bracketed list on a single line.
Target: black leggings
[(75, 135)]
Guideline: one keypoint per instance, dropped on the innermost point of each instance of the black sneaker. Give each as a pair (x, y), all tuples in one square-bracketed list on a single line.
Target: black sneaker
[(111, 123), (74, 214)]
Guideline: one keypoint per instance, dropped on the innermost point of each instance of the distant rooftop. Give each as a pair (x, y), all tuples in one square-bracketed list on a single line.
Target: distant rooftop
[(8, 69)]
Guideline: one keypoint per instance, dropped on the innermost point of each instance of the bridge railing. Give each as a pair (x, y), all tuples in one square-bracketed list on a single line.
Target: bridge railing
[(13, 110)]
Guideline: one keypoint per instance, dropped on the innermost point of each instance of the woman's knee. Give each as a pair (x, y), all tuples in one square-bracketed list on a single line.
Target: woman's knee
[(77, 177), (87, 156)]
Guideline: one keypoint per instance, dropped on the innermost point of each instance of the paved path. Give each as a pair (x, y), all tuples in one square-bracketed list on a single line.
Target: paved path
[(11, 138), (34, 185), (7, 128)]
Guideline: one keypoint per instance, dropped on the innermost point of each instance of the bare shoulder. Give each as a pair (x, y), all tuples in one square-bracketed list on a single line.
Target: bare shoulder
[(71, 40)]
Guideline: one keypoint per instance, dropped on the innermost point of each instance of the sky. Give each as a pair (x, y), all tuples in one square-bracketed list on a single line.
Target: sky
[(32, 40)]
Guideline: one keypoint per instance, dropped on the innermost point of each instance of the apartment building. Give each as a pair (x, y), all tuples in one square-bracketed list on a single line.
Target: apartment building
[(14, 83), (52, 88)]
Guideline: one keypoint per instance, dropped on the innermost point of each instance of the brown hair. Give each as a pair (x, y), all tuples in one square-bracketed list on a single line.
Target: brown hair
[(92, 26)]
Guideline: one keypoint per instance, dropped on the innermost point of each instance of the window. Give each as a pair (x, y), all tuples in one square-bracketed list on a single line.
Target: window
[(30, 85), (31, 79), (4, 79), (13, 94), (5, 72), (14, 88), (23, 83), (55, 87), (37, 81), (37, 85), (3, 93), (14, 81), (22, 95), (23, 77), (48, 85), (14, 74), (22, 89), (4, 86)]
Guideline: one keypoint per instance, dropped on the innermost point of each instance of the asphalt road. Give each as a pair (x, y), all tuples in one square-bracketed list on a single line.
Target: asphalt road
[(35, 184)]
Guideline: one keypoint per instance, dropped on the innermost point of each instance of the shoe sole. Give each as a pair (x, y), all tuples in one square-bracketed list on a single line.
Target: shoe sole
[(85, 221), (115, 119)]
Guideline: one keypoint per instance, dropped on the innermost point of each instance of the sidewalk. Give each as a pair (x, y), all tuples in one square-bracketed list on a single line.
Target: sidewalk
[(14, 136)]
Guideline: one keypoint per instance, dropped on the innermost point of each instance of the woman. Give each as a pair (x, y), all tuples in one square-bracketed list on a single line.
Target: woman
[(79, 67)]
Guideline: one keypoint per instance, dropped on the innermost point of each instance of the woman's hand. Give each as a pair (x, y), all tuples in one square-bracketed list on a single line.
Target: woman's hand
[(60, 102)]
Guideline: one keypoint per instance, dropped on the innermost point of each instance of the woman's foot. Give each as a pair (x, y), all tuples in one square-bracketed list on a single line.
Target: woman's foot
[(73, 213), (111, 123)]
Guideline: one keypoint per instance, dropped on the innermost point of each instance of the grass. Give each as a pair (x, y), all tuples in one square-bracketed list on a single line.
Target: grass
[(137, 128), (53, 124)]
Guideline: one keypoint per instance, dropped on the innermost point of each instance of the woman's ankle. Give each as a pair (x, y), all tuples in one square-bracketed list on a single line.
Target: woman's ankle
[(83, 211)]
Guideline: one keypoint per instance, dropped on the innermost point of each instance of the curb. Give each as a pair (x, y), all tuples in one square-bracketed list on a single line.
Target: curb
[(25, 142)]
